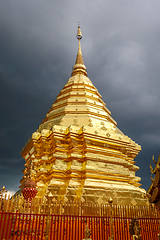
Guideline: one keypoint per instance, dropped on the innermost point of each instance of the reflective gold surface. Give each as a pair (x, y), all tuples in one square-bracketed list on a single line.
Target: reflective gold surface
[(78, 152)]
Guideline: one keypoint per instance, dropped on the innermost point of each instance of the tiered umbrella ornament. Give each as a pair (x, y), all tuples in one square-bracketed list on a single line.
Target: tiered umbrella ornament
[(29, 191)]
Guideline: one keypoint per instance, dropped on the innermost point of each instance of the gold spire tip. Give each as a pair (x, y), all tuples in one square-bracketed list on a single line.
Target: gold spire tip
[(79, 34)]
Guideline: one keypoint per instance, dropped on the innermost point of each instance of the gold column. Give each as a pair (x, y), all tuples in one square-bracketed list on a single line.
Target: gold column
[(49, 197), (110, 201)]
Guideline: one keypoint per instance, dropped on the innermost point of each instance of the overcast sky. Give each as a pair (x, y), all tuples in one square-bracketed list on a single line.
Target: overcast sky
[(38, 46)]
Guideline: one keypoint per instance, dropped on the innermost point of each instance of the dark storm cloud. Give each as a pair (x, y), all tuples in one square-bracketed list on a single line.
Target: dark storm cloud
[(120, 47)]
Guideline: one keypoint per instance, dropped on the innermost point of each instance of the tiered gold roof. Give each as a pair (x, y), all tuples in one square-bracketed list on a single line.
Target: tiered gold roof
[(78, 152)]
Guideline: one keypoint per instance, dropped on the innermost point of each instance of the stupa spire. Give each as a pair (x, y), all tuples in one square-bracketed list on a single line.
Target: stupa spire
[(78, 152), (79, 67)]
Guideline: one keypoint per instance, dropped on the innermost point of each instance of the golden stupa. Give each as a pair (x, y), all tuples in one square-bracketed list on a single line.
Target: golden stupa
[(78, 153)]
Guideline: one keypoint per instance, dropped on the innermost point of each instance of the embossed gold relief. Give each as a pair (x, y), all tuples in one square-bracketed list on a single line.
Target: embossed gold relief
[(78, 153)]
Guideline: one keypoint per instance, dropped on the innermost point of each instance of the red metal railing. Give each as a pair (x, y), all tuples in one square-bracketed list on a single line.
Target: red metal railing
[(21, 226)]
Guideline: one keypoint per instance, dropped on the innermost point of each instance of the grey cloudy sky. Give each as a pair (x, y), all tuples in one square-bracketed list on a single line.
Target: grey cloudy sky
[(121, 50)]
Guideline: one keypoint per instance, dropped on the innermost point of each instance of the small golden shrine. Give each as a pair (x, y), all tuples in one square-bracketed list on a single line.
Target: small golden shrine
[(78, 153), (153, 192)]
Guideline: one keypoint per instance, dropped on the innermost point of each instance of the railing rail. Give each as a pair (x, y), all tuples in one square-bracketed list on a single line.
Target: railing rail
[(19, 226), (43, 206), (42, 219)]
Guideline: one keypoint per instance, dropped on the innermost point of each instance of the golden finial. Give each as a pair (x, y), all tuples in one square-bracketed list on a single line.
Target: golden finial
[(79, 34), (79, 67), (110, 200), (3, 191)]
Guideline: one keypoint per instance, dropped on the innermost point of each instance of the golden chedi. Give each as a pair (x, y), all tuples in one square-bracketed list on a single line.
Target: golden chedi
[(78, 153)]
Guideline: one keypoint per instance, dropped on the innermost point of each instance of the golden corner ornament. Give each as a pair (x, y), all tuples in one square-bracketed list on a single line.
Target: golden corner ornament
[(78, 152), (3, 191)]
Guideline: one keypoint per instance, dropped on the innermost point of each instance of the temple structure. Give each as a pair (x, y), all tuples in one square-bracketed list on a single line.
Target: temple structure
[(153, 192), (78, 152)]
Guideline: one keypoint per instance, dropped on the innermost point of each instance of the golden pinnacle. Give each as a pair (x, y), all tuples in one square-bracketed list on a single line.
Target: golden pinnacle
[(79, 34)]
